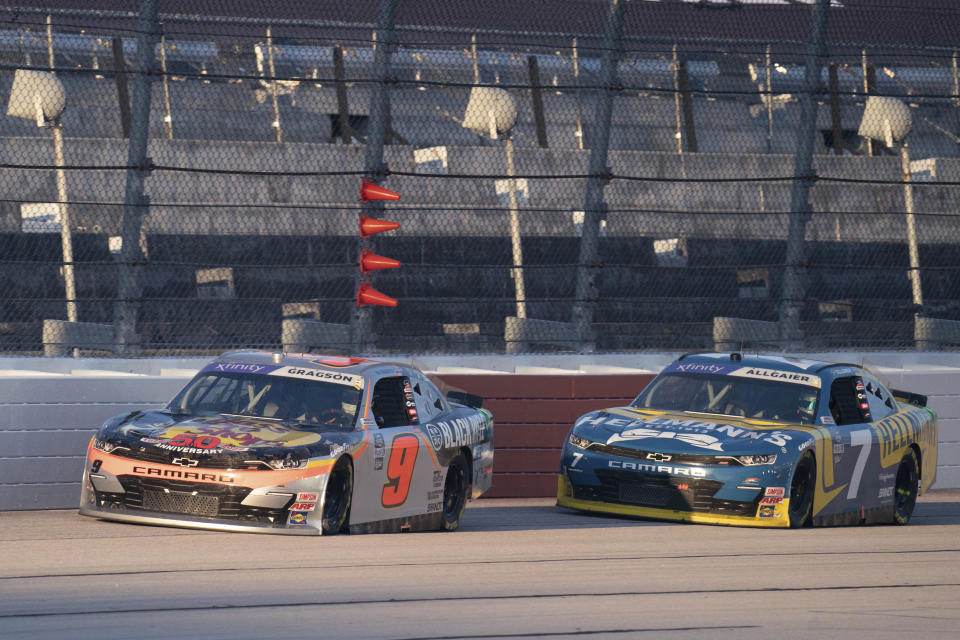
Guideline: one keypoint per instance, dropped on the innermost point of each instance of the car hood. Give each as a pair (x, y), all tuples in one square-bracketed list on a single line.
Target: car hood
[(229, 440), (680, 432)]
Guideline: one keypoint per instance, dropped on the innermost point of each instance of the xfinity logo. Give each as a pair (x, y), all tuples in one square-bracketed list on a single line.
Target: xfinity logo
[(692, 472), (186, 462), (700, 367)]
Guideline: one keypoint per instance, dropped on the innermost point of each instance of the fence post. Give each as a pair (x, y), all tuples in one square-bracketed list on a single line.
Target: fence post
[(373, 165), (123, 95), (134, 201), (587, 292), (794, 284), (835, 122), (537, 100)]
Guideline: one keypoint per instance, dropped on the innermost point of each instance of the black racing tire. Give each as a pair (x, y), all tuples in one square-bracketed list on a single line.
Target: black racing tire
[(455, 494), (907, 487), (337, 498), (801, 491)]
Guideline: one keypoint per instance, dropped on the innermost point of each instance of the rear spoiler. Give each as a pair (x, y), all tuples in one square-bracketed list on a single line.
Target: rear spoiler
[(462, 397), (907, 396)]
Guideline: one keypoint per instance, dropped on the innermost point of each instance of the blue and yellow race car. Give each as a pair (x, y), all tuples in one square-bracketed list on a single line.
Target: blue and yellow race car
[(759, 441)]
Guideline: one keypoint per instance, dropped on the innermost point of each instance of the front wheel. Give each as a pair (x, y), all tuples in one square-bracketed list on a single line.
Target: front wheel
[(336, 499), (905, 492), (454, 494), (801, 491)]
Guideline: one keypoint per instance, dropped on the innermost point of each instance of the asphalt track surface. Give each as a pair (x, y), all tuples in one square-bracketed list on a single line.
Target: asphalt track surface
[(515, 569)]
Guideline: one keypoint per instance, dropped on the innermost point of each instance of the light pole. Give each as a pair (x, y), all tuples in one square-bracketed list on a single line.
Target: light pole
[(888, 120), (40, 96), (492, 110)]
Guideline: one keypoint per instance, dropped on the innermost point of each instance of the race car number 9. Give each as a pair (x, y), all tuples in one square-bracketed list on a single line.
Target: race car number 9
[(403, 456)]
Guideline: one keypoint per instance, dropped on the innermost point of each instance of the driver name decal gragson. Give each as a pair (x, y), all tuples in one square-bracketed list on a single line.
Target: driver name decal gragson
[(316, 374)]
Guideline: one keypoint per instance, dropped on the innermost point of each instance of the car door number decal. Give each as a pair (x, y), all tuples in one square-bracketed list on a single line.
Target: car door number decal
[(403, 456), (862, 438), (576, 459)]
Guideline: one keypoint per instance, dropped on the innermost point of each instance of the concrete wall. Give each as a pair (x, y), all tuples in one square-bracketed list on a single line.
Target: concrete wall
[(50, 407)]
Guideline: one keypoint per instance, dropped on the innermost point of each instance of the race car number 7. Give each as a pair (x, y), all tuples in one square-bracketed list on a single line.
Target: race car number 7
[(403, 456), (863, 440)]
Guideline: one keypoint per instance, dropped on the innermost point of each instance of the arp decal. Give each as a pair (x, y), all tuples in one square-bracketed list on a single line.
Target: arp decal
[(403, 457), (303, 506)]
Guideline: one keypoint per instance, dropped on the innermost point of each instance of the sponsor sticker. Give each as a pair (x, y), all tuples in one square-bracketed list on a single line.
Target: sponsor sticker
[(775, 492), (769, 500), (308, 497), (297, 517), (303, 506), (767, 511)]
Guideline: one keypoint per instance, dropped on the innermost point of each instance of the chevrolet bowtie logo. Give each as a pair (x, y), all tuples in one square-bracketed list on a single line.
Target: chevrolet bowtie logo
[(659, 457), (187, 462)]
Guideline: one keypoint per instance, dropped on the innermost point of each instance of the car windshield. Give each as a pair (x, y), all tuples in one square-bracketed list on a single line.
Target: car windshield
[(306, 402), (731, 396)]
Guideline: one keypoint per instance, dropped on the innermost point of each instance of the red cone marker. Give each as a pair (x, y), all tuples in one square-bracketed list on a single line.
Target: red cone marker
[(370, 191), (369, 261), (368, 295), (370, 226)]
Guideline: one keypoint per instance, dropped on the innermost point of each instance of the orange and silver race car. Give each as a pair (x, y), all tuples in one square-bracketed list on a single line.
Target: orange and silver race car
[(305, 444)]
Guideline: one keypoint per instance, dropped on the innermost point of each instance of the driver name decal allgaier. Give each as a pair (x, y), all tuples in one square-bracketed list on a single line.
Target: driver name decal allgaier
[(745, 372), (778, 375)]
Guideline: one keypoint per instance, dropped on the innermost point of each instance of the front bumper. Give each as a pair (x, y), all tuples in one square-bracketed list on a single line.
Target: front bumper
[(179, 520), (775, 515), (125, 490)]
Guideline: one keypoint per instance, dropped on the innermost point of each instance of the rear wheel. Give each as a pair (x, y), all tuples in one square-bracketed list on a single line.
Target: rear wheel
[(905, 493), (801, 491), (336, 499), (454, 494)]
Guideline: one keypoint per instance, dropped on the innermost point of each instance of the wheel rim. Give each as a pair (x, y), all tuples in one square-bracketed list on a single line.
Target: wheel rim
[(906, 491), (454, 493)]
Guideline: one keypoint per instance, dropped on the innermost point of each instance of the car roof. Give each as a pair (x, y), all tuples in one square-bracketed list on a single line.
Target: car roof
[(782, 363)]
